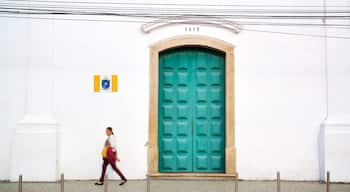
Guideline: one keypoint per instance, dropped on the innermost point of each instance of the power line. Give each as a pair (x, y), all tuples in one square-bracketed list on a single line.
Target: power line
[(139, 21), (279, 24), (211, 18), (148, 8), (165, 13), (339, 26), (144, 14), (182, 10), (296, 34), (174, 4), (159, 15), (231, 18)]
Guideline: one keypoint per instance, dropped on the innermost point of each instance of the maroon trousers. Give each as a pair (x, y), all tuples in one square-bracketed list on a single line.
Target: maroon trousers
[(111, 158), (115, 168)]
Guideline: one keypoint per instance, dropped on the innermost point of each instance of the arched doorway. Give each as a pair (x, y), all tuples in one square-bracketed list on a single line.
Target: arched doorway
[(191, 110), (191, 130)]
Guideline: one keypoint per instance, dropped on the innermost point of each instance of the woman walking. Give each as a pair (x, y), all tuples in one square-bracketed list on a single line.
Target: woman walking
[(109, 154)]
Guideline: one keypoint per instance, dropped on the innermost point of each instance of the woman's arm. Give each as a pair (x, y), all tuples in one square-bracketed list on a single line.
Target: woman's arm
[(113, 142), (116, 156), (114, 146)]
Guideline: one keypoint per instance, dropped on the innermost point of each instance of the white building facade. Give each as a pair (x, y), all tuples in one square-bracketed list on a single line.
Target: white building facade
[(290, 97)]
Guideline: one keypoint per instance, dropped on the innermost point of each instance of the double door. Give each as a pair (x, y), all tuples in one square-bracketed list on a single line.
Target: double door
[(191, 110)]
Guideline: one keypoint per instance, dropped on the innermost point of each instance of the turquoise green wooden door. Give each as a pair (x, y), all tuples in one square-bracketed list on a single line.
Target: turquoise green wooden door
[(175, 112), (191, 109)]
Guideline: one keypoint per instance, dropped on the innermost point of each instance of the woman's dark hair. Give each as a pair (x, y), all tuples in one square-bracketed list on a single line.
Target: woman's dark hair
[(110, 129)]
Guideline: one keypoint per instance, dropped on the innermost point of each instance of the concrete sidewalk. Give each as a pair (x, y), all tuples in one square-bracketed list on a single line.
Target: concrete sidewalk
[(176, 186)]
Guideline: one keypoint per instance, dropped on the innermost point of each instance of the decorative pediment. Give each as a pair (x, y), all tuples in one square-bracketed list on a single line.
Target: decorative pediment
[(205, 21)]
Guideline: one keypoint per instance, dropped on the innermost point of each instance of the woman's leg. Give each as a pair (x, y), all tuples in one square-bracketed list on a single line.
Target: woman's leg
[(115, 168), (104, 167)]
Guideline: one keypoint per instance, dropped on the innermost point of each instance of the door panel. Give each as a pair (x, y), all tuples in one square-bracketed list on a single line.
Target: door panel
[(191, 122), (209, 102), (175, 113)]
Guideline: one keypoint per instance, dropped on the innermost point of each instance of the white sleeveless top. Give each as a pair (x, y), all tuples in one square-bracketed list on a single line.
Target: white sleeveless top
[(112, 141)]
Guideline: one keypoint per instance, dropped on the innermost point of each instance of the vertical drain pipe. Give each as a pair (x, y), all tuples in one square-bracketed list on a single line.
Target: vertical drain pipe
[(20, 183), (148, 183), (328, 181), (236, 182), (278, 182), (62, 183)]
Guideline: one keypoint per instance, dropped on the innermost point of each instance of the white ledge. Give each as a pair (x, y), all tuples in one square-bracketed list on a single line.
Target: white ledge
[(338, 121), (30, 119)]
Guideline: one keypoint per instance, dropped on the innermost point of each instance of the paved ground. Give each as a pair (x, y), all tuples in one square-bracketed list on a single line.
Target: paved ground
[(176, 186)]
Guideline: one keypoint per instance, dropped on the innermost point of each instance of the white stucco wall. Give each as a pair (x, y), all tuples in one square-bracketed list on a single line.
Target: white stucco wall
[(47, 68)]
